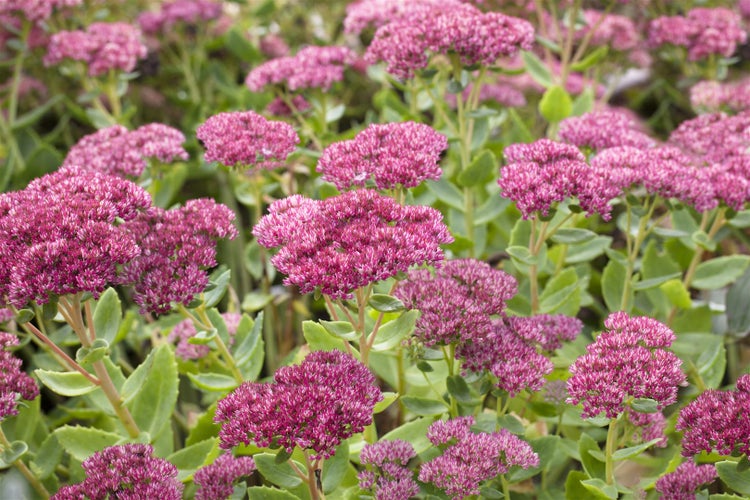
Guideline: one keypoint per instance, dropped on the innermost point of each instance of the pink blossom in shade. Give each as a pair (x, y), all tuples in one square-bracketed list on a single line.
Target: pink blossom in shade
[(127, 472), (59, 235), (116, 151), (387, 475), (717, 421), (34, 10), (390, 155), (314, 406), (177, 247), (648, 426), (216, 481), (179, 12), (103, 47), (703, 32), (685, 481), (278, 107), (713, 96), (456, 301), (14, 383), (312, 67), (348, 241), (470, 458), (273, 46), (599, 130), (246, 139), (549, 331), (615, 31), (629, 360), (364, 14), (185, 330)]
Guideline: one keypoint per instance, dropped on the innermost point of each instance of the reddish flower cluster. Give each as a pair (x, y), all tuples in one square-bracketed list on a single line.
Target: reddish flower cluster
[(103, 47), (14, 383), (216, 481), (629, 360), (599, 130), (176, 12), (314, 405), (648, 426), (387, 474), (469, 458), (246, 139), (717, 421), (391, 155), (116, 151), (363, 14), (185, 330), (125, 471), (683, 483), (311, 68), (348, 241)]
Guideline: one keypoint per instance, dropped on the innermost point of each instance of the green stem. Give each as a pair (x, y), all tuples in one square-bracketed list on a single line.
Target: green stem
[(506, 487), (24, 470), (610, 448), (113, 96), (633, 248), (450, 357)]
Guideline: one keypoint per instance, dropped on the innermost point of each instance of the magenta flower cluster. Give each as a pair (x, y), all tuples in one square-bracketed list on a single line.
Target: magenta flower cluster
[(128, 471), (457, 300), (14, 383), (102, 47), (185, 330), (348, 241), (216, 481), (387, 474), (390, 155), (630, 360), (34, 10), (314, 405), (115, 150), (364, 14), (179, 12), (685, 481), (603, 129), (311, 68), (246, 139), (717, 421), (712, 96), (470, 458)]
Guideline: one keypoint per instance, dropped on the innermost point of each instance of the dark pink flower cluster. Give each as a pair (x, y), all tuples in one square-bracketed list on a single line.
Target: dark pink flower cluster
[(34, 10), (363, 14), (179, 12), (713, 96), (314, 405), (548, 331), (216, 481), (279, 107), (115, 150), (456, 301), (629, 360), (128, 471), (390, 155), (615, 31), (312, 67), (246, 139), (599, 130), (348, 241), (703, 32), (103, 47), (177, 246), (648, 426), (683, 483), (14, 383), (470, 458), (185, 330), (717, 421), (388, 476), (475, 37), (59, 235)]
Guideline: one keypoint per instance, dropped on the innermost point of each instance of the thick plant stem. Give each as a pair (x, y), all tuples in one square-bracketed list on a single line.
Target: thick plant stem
[(313, 479), (611, 446), (24, 470), (60, 354)]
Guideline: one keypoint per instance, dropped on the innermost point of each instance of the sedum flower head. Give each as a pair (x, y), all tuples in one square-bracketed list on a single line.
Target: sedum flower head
[(14, 383), (34, 10), (185, 330), (599, 130), (348, 241), (387, 474), (469, 458), (710, 96), (246, 139), (102, 47), (216, 481), (549, 331), (127, 472), (717, 421), (629, 360), (457, 301), (179, 12), (314, 405), (391, 155), (115, 150), (364, 14), (685, 481)]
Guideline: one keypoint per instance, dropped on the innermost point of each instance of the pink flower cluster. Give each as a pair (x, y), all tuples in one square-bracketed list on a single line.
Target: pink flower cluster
[(390, 155), (246, 139), (717, 421), (648, 426), (703, 32), (475, 37), (470, 458), (216, 481), (387, 474), (363, 14), (14, 383), (279, 107), (185, 330), (456, 301), (599, 130), (115, 150), (311, 68), (348, 241), (103, 47), (34, 10), (177, 12), (314, 405), (712, 96), (615, 31), (125, 471), (629, 360), (683, 483)]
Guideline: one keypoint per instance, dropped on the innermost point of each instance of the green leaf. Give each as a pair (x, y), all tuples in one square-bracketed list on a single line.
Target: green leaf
[(590, 60), (385, 303), (719, 272), (424, 406), (35, 114), (335, 468), (649, 284), (546, 448), (341, 329), (537, 69), (461, 392), (741, 220), (512, 424), (556, 104), (447, 193), (572, 235), (574, 490), (415, 432), (600, 489), (241, 47), (388, 399), (738, 481), (335, 113), (613, 285), (677, 293), (65, 383), (216, 287), (645, 405), (98, 350), (47, 458), (588, 251), (279, 474), (738, 306), (215, 382), (203, 337), (319, 339), (593, 467), (192, 457), (702, 239), (16, 450), (82, 442), (24, 316), (521, 254), (107, 316), (632, 451), (248, 349), (561, 290), (480, 171), (392, 333), (267, 493)]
